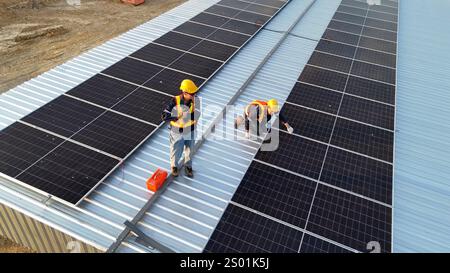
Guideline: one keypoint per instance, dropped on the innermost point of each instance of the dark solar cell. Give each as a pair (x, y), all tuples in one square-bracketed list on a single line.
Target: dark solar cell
[(196, 65), (178, 40), (69, 172), (330, 61), (214, 50), (376, 57), (296, 154), (210, 19), (64, 115), (21, 146), (157, 54), (374, 72), (195, 29), (102, 90), (315, 97), (144, 104), (168, 81), (371, 89), (336, 48), (363, 139), (350, 220), (241, 231), (312, 244), (323, 78), (342, 37), (114, 134), (276, 193), (132, 70), (358, 174), (229, 38), (309, 123), (349, 18), (345, 27)]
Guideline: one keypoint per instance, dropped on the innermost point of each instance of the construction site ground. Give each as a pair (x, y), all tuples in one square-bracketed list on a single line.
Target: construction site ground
[(34, 40)]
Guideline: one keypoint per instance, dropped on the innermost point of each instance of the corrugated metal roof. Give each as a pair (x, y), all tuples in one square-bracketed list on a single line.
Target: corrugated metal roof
[(422, 149)]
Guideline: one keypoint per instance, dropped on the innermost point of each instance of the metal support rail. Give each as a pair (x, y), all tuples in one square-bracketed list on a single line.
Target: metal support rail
[(131, 225)]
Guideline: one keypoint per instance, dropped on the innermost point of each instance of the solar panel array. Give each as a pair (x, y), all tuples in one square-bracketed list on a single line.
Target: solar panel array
[(328, 187), (68, 146)]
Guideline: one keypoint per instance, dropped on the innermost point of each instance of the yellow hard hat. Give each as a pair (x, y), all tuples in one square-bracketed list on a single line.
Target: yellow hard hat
[(273, 105), (188, 86)]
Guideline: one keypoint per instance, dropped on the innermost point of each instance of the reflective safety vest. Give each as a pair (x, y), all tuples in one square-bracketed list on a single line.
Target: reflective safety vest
[(262, 109), (180, 123)]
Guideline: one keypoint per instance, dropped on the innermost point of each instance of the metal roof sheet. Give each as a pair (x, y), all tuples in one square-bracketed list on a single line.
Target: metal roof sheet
[(422, 149)]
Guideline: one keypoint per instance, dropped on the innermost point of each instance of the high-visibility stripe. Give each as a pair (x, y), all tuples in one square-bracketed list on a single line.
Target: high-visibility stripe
[(180, 122)]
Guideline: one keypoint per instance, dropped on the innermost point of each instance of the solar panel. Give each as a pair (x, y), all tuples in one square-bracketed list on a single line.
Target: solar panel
[(102, 90), (371, 89), (168, 81), (296, 154), (239, 26), (309, 123), (132, 70), (311, 244), (273, 192), (214, 50), (325, 60), (366, 111), (363, 139), (108, 116), (21, 146), (196, 65), (69, 172), (376, 57), (64, 115), (157, 54), (350, 220), (342, 37), (195, 29), (315, 97), (114, 134), (242, 231), (210, 19), (358, 174), (342, 109), (323, 78), (144, 104), (336, 48)]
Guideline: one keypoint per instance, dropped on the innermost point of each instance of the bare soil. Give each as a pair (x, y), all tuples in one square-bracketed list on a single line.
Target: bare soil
[(33, 41)]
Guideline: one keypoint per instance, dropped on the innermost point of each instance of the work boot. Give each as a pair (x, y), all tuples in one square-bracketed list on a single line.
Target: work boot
[(175, 171), (189, 172)]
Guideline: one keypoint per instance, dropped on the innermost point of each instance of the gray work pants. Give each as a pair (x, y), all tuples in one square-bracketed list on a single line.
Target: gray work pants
[(178, 143)]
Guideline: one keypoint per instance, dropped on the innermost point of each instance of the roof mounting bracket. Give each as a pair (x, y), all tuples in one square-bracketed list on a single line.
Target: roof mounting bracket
[(146, 240)]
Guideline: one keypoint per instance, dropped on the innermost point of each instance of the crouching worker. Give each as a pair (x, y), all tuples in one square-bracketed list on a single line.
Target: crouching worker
[(259, 114), (182, 114)]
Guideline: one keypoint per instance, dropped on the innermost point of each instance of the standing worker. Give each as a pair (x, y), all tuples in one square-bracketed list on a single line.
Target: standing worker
[(259, 113), (183, 116)]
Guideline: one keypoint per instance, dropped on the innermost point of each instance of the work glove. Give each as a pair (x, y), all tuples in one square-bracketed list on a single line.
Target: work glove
[(289, 129)]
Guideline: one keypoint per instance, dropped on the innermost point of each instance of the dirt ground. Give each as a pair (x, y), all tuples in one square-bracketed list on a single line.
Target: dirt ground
[(33, 41)]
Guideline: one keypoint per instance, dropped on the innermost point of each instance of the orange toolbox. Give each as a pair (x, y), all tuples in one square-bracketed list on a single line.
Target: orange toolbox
[(156, 180), (134, 2)]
